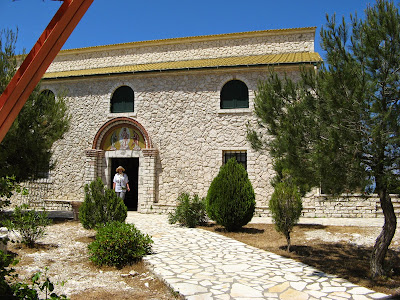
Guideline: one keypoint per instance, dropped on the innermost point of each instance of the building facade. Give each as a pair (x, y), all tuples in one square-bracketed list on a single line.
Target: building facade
[(170, 111)]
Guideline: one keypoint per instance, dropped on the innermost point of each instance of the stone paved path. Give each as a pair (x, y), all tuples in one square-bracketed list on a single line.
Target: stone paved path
[(204, 265)]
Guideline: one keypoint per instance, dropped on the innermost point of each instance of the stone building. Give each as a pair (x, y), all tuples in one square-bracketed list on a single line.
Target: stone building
[(170, 111)]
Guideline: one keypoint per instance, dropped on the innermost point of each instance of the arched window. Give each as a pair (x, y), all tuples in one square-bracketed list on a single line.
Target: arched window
[(122, 100), (47, 94), (234, 94)]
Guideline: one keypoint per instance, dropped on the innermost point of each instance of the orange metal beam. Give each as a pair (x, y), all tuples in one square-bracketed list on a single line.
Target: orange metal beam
[(38, 60)]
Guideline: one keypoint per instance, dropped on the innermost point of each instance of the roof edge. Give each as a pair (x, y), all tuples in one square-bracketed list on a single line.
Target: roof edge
[(180, 40), (181, 70), (176, 66)]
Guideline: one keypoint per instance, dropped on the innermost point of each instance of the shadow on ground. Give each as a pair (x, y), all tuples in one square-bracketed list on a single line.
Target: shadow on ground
[(343, 259)]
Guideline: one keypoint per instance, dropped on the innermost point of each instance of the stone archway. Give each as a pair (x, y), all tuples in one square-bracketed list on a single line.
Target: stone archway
[(120, 122), (124, 138)]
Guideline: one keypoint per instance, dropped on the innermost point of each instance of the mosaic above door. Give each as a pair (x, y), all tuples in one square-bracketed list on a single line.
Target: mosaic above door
[(123, 138)]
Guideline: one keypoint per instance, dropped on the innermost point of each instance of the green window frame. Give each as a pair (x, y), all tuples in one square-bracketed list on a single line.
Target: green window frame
[(123, 100), (234, 94)]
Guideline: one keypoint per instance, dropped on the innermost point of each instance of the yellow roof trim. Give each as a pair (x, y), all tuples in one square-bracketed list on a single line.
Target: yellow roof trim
[(191, 39), (270, 59)]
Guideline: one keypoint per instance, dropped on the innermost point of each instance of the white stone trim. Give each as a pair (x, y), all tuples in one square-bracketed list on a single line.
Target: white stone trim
[(246, 81), (234, 111), (122, 114)]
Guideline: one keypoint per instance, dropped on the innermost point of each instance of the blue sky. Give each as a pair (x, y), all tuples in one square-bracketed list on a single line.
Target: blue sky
[(121, 21)]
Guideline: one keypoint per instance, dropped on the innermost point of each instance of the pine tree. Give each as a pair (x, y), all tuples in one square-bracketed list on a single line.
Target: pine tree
[(25, 152), (338, 126), (286, 206)]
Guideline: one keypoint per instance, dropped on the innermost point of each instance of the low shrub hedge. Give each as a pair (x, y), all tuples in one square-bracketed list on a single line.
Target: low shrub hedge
[(30, 224), (119, 244), (190, 212)]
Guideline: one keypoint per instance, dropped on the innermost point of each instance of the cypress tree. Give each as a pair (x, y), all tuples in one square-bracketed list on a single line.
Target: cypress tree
[(230, 199)]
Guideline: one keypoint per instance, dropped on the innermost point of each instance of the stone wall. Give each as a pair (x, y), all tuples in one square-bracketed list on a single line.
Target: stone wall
[(182, 116), (269, 42), (42, 204), (55, 205), (355, 206), (181, 113), (349, 206), (346, 206)]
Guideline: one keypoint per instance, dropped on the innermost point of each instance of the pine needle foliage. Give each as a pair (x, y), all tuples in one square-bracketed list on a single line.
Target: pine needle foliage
[(26, 150), (285, 206), (338, 126), (230, 199), (101, 205)]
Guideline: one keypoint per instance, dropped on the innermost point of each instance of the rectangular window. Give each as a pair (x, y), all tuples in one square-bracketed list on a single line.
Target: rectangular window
[(240, 155)]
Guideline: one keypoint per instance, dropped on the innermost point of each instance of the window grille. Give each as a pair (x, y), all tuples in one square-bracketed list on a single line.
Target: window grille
[(241, 157)]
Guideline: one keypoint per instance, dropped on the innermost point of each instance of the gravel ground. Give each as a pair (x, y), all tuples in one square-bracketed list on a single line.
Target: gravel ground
[(64, 252), (367, 238)]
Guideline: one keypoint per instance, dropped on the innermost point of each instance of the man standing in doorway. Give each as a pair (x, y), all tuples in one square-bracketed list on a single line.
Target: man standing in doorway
[(121, 183)]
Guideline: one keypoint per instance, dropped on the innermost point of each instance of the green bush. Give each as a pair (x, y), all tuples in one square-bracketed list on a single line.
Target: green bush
[(8, 186), (44, 285), (119, 244), (5, 273), (101, 205), (190, 212), (230, 199), (30, 224), (11, 288), (285, 206)]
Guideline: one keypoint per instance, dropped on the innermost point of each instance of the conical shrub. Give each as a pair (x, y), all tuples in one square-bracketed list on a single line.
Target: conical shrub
[(230, 199)]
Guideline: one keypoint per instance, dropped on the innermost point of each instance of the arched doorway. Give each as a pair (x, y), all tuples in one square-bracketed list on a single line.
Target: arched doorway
[(125, 142)]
